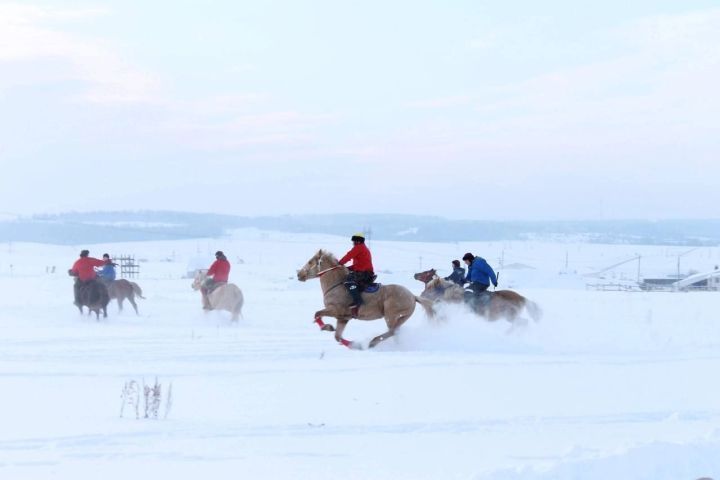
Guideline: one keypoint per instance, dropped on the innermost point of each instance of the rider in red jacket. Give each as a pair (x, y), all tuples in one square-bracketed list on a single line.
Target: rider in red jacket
[(359, 254), (217, 274), (361, 271), (84, 271), (84, 267), (220, 269)]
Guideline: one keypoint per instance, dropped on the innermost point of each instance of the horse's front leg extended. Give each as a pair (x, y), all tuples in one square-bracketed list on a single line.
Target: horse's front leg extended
[(318, 319)]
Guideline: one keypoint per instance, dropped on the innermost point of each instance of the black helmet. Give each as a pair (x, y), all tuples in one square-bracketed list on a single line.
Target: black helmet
[(469, 257), (106, 255), (456, 263), (219, 253), (358, 237), (84, 253)]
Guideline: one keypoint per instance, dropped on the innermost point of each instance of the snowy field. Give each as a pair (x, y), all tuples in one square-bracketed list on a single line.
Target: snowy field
[(608, 385)]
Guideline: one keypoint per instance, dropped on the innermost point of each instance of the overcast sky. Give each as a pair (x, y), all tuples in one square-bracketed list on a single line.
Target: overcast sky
[(464, 109)]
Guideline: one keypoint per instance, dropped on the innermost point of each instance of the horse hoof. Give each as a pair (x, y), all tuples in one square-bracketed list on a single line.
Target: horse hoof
[(328, 328)]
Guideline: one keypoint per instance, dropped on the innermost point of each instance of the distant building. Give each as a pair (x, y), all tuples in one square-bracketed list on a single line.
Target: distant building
[(699, 281)]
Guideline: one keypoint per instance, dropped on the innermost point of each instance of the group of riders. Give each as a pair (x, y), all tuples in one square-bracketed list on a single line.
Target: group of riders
[(85, 272), (362, 274)]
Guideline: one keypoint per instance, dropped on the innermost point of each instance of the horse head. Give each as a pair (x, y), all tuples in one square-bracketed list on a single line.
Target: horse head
[(426, 276), (318, 264), (200, 276)]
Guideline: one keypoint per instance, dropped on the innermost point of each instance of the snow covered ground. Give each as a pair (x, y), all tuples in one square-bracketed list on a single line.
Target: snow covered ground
[(608, 385)]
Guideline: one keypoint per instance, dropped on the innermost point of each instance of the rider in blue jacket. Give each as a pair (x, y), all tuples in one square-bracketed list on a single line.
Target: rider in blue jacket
[(107, 273), (458, 275), (480, 274)]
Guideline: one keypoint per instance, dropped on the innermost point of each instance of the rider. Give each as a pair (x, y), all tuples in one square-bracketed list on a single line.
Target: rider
[(217, 275), (480, 274), (361, 271), (458, 275), (84, 272), (107, 273)]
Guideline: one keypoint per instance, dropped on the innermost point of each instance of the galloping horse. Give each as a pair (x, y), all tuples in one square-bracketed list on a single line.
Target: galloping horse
[(122, 289), (437, 289), (223, 297), (94, 295), (502, 304), (394, 303)]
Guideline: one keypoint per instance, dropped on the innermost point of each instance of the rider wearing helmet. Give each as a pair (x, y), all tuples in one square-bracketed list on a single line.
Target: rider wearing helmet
[(217, 275), (480, 274), (361, 271)]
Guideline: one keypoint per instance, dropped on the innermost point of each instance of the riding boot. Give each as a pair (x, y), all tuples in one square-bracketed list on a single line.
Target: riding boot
[(484, 298), (76, 290), (356, 295), (206, 302)]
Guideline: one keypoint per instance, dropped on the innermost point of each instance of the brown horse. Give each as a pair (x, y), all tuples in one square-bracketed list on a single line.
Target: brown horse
[(394, 303), (227, 296), (94, 295), (501, 304), (122, 289)]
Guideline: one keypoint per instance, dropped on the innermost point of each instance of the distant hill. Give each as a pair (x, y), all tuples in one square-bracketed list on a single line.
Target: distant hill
[(122, 226)]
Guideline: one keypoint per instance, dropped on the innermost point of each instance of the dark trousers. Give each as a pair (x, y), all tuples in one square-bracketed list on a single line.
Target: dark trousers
[(477, 294), (79, 285), (478, 287), (356, 282)]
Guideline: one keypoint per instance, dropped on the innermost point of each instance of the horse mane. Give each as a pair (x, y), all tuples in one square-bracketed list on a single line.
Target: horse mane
[(328, 256), (440, 282)]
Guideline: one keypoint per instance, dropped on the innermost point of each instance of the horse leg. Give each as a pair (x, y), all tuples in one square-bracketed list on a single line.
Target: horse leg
[(341, 324), (326, 327), (237, 311), (391, 330), (120, 300), (132, 302)]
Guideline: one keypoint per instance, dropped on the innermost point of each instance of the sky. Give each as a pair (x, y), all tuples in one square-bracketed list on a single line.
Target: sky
[(517, 110)]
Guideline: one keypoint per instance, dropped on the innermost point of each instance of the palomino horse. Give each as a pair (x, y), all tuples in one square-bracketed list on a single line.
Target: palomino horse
[(502, 304), (122, 289), (395, 303), (223, 297), (94, 295)]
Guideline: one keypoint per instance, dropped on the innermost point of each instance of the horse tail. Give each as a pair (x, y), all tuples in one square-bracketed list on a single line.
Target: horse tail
[(138, 291), (533, 310), (427, 304), (237, 309)]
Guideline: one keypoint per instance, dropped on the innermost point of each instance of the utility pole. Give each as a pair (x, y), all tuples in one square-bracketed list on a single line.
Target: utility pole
[(678, 260), (367, 231)]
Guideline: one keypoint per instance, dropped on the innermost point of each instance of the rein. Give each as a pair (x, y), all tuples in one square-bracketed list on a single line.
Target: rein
[(323, 272), (327, 270)]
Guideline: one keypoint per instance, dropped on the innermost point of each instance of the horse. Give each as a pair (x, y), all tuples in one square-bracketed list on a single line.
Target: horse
[(122, 289), (227, 296), (394, 303), (94, 295), (501, 304), (437, 288)]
